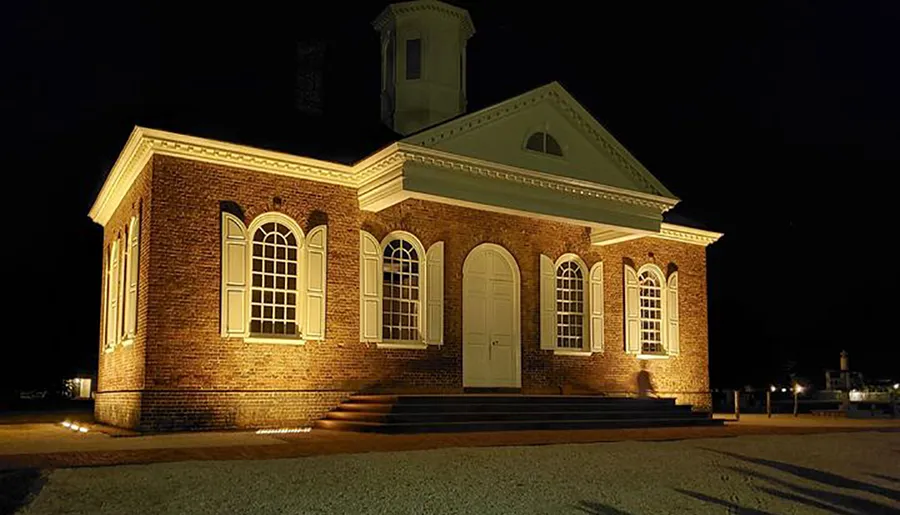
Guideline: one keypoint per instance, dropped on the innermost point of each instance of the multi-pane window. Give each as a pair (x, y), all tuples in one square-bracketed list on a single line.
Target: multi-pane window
[(274, 291), (651, 313), (401, 291), (569, 306), (544, 143)]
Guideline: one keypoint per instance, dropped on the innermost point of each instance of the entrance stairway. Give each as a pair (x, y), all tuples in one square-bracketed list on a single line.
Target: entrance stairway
[(502, 412)]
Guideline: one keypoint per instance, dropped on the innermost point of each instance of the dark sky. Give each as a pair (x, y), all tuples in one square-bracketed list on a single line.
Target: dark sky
[(775, 123)]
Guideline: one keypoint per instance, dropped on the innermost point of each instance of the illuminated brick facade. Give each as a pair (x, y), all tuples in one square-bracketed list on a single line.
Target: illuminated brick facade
[(180, 373)]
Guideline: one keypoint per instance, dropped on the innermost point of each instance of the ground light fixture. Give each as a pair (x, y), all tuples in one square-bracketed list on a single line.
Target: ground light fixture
[(283, 431), (74, 427)]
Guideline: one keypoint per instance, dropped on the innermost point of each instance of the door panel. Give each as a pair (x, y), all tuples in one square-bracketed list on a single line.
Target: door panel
[(491, 351)]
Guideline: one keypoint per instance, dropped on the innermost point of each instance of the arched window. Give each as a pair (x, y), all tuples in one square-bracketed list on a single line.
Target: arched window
[(274, 289), (544, 143), (651, 312), (401, 289), (570, 305)]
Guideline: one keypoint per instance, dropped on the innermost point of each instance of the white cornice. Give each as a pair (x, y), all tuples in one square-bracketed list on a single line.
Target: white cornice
[(687, 234), (406, 152), (609, 235), (378, 178), (144, 143)]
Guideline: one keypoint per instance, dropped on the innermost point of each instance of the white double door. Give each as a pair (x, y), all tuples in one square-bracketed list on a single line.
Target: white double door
[(491, 344)]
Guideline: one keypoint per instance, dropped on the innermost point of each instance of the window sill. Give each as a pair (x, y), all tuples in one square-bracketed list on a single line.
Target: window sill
[(402, 345), (652, 356), (274, 340), (562, 352), (127, 342)]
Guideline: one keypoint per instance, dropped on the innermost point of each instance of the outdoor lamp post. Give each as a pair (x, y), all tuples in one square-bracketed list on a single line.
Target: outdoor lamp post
[(845, 376)]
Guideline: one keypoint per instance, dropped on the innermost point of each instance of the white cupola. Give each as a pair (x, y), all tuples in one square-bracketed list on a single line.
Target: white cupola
[(423, 63)]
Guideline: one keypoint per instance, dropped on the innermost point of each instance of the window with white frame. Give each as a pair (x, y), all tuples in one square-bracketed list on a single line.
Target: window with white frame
[(274, 290), (652, 324), (401, 281), (570, 302), (401, 291), (273, 279), (650, 296)]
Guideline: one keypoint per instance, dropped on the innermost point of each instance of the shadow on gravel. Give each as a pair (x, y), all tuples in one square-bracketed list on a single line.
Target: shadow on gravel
[(19, 487), (836, 503), (730, 506), (596, 508), (886, 478), (819, 476)]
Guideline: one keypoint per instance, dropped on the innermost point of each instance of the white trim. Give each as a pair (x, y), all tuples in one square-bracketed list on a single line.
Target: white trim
[(652, 356), (277, 216), (390, 344), (473, 166), (597, 308), (687, 234), (378, 179), (563, 352), (144, 143), (273, 340), (127, 341)]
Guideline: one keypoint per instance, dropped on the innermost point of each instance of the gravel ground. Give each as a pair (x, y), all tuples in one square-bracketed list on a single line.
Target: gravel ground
[(843, 473)]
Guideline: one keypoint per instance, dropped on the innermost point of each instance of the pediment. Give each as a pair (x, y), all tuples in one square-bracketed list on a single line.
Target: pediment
[(500, 134)]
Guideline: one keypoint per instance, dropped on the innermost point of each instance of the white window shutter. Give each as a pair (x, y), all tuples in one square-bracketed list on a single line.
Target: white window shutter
[(112, 300), (596, 307), (548, 303), (673, 345), (234, 276), (434, 292), (132, 277), (632, 312), (370, 271), (316, 265)]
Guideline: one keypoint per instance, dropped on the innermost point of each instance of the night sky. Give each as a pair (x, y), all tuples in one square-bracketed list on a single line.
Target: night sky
[(777, 124)]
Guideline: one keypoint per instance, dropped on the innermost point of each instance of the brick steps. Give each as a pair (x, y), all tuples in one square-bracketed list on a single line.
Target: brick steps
[(457, 413)]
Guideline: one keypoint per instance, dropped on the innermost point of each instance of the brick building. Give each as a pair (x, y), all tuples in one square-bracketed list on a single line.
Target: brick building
[(518, 247)]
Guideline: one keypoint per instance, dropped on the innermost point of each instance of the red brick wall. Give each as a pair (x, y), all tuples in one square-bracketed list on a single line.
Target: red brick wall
[(197, 379), (462, 229), (120, 373)]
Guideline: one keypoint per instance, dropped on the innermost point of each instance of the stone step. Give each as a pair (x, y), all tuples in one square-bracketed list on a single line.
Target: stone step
[(488, 416), (506, 407), (519, 425), (504, 399)]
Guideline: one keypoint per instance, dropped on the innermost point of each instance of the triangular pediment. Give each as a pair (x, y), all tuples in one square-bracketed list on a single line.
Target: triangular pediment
[(500, 133)]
